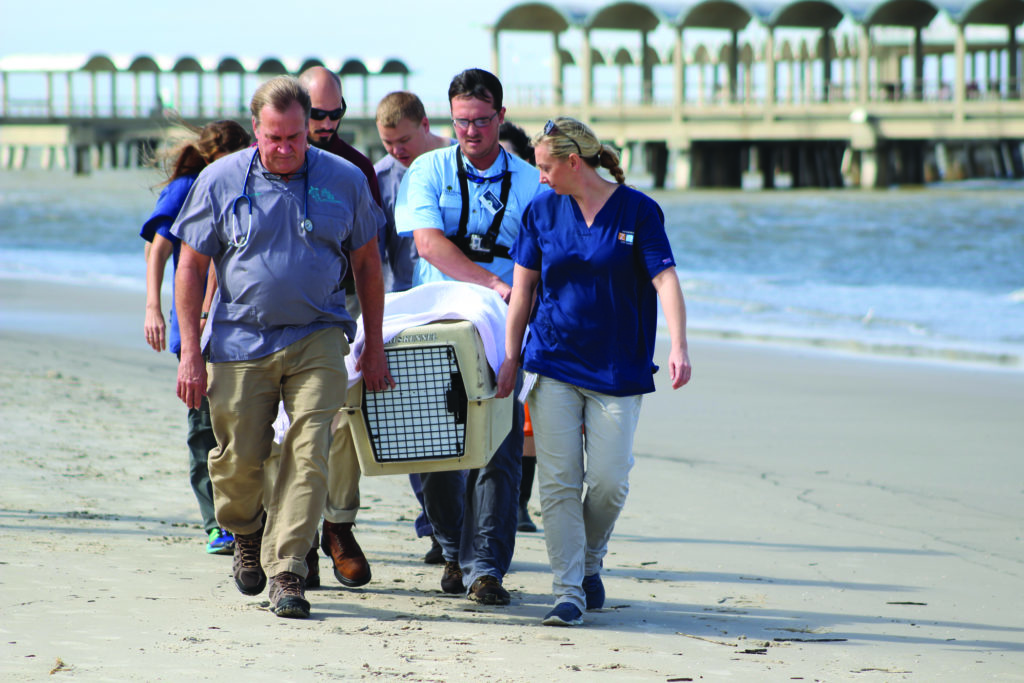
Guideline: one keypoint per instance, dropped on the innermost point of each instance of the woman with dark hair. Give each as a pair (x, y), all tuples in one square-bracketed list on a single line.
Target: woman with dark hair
[(182, 164), (515, 140), (595, 254)]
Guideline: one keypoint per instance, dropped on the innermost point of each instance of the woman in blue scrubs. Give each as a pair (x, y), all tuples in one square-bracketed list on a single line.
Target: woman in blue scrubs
[(595, 254), (182, 165)]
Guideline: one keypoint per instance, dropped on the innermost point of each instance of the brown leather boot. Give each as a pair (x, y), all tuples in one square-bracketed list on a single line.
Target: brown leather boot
[(350, 565), (246, 567)]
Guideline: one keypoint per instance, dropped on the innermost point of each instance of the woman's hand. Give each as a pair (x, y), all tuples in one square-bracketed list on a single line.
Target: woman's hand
[(679, 367), (156, 330)]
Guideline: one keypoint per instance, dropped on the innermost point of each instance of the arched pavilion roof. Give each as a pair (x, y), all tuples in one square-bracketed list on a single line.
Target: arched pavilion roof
[(737, 14)]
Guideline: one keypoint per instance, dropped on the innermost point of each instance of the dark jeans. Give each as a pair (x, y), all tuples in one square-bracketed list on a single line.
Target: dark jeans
[(200, 442), (421, 523), (474, 516)]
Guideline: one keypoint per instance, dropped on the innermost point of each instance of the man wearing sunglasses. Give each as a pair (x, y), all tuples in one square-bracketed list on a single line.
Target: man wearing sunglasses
[(351, 567), (463, 206)]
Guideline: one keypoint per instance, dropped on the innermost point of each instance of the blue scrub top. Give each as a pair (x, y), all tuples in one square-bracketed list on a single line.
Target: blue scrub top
[(596, 317), (171, 199)]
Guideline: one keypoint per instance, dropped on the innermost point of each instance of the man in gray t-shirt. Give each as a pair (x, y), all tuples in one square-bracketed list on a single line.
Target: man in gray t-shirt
[(276, 222), (405, 131)]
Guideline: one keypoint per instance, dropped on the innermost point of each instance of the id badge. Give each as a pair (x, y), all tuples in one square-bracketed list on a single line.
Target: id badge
[(490, 202)]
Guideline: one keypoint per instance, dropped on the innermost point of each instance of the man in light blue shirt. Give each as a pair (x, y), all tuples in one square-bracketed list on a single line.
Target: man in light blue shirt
[(463, 206), (431, 200)]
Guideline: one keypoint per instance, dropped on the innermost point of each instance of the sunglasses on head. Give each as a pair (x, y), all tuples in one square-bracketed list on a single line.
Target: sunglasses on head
[(551, 128), (333, 114)]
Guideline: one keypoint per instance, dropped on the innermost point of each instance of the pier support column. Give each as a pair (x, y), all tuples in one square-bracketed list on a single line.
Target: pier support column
[(625, 155), (656, 154), (683, 177), (767, 158), (869, 165), (19, 157), (1018, 159), (83, 160), (941, 153), (863, 63), (960, 79), (1012, 55), (5, 157)]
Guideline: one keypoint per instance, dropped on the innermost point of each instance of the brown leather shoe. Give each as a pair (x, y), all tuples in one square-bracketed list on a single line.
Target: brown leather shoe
[(350, 565), (451, 578), (488, 591)]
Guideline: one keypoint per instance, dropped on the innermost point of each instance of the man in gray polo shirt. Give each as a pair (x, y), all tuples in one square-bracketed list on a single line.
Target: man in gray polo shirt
[(276, 222)]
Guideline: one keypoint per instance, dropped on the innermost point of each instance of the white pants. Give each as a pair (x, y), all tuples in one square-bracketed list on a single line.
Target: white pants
[(577, 526)]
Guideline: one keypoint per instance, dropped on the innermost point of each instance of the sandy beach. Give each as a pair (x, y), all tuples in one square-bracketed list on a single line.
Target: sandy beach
[(793, 515)]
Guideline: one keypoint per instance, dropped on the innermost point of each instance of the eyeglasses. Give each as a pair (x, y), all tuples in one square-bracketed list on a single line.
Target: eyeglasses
[(333, 114), (482, 122), (550, 128)]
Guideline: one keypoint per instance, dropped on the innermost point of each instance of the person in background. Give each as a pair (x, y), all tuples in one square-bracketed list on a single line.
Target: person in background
[(463, 206), (182, 164), (351, 568), (405, 133), (595, 254), (514, 140), (282, 223)]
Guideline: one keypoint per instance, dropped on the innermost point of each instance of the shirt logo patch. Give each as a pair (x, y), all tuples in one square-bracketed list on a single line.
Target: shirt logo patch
[(322, 194), (626, 237)]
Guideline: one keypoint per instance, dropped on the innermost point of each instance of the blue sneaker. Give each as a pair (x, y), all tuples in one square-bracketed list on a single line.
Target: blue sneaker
[(593, 588), (220, 542), (564, 614)]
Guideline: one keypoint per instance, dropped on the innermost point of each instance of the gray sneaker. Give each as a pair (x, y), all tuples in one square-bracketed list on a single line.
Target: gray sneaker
[(287, 597)]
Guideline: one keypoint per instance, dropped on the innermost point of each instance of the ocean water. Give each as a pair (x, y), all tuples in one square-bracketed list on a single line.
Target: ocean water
[(934, 272)]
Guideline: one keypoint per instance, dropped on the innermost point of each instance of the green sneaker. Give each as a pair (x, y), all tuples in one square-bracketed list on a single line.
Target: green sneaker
[(220, 542)]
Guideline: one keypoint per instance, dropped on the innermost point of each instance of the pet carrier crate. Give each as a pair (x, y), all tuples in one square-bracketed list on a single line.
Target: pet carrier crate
[(441, 415)]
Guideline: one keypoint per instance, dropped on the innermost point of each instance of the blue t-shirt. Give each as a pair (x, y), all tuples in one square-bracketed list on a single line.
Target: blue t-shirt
[(596, 317), (429, 197), (159, 223), (277, 282)]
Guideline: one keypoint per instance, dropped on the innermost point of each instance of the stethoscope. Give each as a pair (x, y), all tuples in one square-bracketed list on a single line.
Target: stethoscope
[(236, 228)]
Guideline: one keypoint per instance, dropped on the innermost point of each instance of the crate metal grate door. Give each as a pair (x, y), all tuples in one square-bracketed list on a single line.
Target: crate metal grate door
[(424, 416)]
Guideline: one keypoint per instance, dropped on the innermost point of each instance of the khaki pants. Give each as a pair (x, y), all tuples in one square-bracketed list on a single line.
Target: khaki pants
[(309, 376), (577, 526), (343, 473)]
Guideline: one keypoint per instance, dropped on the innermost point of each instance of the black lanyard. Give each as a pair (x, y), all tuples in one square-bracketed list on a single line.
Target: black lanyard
[(490, 239)]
